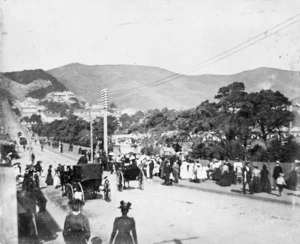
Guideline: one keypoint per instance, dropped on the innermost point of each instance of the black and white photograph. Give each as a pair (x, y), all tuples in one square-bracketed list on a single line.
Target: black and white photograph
[(149, 121)]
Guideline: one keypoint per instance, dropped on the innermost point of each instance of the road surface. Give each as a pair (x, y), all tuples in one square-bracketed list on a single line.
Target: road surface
[(166, 214)]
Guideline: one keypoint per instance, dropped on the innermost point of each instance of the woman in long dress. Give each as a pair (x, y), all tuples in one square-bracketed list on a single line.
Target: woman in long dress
[(265, 181), (124, 227), (192, 175), (56, 179), (256, 180), (77, 227), (49, 179), (184, 171)]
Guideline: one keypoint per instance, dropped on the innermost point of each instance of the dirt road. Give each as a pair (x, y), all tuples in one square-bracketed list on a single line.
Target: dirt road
[(165, 214)]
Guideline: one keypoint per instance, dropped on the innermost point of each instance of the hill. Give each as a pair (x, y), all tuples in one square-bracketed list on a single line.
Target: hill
[(34, 83), (128, 87)]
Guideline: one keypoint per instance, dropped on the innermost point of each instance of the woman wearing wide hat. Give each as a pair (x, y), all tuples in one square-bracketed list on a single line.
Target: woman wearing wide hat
[(124, 225), (77, 227)]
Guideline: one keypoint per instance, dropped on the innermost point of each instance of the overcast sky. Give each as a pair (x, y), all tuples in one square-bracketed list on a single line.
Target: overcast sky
[(177, 35)]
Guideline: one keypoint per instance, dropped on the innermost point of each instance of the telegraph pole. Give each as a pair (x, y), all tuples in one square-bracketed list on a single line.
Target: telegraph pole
[(91, 129), (104, 103)]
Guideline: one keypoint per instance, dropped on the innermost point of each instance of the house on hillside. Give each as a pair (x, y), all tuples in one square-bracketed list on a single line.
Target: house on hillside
[(87, 114), (50, 117), (61, 97), (27, 110)]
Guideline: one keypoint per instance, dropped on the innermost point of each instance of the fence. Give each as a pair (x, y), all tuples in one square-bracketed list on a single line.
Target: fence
[(286, 167)]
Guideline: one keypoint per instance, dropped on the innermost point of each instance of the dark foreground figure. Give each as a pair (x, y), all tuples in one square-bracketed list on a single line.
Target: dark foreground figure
[(124, 225)]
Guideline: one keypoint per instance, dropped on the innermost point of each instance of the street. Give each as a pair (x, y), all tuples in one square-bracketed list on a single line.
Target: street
[(169, 214)]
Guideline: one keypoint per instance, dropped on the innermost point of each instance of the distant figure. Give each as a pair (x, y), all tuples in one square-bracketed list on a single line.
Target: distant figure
[(265, 182), (49, 179), (280, 183), (77, 227), (124, 225), (61, 147), (83, 159), (32, 157), (247, 177), (276, 172)]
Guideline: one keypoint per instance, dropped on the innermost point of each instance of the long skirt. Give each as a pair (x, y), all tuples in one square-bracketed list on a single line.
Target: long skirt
[(265, 185), (49, 180), (256, 184)]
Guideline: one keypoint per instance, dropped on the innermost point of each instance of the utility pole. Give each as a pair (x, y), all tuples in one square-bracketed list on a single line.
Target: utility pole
[(91, 129), (104, 103)]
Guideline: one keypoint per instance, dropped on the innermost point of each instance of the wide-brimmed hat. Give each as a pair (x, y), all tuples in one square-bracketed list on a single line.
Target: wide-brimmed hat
[(75, 202), (125, 205)]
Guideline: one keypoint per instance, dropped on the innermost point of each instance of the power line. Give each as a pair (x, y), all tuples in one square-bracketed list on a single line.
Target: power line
[(216, 58)]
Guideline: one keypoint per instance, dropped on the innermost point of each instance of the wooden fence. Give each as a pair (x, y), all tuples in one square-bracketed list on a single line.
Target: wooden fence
[(286, 167)]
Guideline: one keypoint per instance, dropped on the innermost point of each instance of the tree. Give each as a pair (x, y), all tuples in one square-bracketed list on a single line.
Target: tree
[(231, 99), (269, 112)]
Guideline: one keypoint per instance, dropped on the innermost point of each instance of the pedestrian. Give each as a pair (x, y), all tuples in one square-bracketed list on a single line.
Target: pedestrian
[(124, 225), (264, 178), (77, 227), (175, 171), (32, 157), (277, 170), (168, 172), (247, 178), (280, 183), (83, 159), (256, 184), (49, 179), (61, 147)]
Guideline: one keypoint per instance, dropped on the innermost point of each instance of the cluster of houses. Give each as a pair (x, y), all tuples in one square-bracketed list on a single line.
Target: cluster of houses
[(31, 106)]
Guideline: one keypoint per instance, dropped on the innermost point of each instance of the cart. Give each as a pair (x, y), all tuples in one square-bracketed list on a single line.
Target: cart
[(129, 173), (85, 182)]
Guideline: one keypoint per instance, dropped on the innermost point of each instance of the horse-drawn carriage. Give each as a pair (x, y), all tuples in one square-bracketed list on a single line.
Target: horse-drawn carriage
[(85, 182), (129, 173)]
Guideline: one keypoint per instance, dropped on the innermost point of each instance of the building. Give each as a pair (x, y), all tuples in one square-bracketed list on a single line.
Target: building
[(87, 114), (51, 117), (61, 97)]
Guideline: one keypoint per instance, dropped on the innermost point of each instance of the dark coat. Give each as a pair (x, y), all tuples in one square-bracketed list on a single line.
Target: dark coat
[(248, 174), (277, 170), (83, 160)]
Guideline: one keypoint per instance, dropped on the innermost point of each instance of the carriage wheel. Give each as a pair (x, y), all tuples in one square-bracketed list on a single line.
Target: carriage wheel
[(107, 191), (119, 180), (79, 188), (69, 192)]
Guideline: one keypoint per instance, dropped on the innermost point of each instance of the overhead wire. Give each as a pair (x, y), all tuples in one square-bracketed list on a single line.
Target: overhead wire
[(216, 58)]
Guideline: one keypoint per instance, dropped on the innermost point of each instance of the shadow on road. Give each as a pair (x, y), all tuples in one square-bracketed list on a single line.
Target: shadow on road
[(177, 241), (293, 194)]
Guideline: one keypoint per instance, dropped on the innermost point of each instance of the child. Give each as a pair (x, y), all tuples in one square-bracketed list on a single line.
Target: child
[(280, 182)]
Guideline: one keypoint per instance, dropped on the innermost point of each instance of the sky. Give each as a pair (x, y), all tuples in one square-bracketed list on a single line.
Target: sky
[(183, 36)]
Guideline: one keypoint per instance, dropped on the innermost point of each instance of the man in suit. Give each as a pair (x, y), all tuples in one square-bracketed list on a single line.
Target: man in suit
[(83, 159), (247, 177)]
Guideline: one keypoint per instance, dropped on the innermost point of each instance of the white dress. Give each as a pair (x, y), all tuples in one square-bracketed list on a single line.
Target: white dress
[(56, 180), (184, 171), (192, 175), (203, 174)]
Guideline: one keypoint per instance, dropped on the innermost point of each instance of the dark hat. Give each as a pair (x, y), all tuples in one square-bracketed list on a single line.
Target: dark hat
[(125, 205), (75, 202)]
